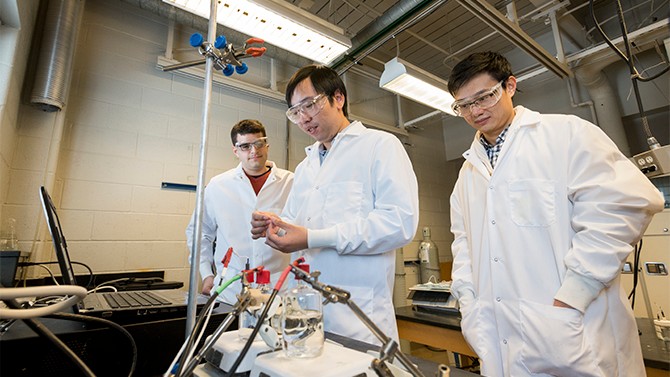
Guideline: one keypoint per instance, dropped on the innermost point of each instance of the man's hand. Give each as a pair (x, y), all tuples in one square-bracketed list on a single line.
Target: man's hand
[(561, 304), (259, 223), (285, 237), (207, 285)]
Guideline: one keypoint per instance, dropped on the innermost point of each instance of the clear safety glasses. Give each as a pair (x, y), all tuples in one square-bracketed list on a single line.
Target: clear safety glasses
[(309, 108), (485, 100), (258, 144)]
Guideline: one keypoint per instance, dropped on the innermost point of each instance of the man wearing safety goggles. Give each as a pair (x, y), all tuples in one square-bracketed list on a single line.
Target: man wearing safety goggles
[(230, 198), (544, 213), (354, 201)]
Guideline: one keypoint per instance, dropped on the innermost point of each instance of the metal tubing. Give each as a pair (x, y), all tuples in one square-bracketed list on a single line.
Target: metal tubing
[(191, 63), (560, 52), (200, 191), (241, 306), (384, 339)]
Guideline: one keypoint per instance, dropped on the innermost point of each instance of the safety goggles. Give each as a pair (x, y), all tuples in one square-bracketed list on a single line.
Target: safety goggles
[(258, 144), (483, 101), (309, 108)]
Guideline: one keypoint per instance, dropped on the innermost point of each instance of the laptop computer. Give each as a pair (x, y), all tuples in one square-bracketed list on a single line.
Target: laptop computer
[(123, 307)]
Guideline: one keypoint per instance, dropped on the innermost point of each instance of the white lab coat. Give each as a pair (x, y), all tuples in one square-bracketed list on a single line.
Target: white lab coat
[(555, 219), (359, 206), (229, 201)]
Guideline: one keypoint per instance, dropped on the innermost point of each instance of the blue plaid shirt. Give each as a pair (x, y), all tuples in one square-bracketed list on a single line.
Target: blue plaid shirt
[(494, 150), (323, 152)]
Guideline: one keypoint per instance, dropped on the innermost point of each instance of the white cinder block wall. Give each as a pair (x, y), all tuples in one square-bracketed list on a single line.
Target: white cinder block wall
[(18, 19), (127, 127)]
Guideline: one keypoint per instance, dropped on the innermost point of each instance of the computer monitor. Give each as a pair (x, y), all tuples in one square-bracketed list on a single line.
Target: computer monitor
[(60, 245)]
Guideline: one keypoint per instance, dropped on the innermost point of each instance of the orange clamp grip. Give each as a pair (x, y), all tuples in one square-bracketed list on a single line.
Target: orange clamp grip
[(254, 40), (256, 51)]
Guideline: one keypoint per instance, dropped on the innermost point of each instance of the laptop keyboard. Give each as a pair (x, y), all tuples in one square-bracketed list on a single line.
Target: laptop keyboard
[(134, 299)]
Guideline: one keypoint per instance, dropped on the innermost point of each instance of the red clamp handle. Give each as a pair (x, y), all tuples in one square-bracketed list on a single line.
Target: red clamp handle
[(226, 258), (254, 40), (256, 51)]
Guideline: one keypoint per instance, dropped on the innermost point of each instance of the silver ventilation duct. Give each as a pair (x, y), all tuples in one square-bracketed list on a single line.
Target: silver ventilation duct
[(54, 64), (397, 18)]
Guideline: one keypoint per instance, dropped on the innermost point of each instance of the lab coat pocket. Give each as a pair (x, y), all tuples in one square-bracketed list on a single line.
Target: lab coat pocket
[(554, 342), (532, 202), (473, 329), (343, 202)]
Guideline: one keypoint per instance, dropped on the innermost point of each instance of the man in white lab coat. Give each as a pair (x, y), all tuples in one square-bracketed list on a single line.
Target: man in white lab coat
[(230, 198), (354, 201), (544, 213)]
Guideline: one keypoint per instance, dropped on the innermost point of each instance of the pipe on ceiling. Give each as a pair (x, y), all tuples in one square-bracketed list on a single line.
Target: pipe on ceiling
[(54, 64), (605, 101), (182, 17), (396, 19), (588, 72)]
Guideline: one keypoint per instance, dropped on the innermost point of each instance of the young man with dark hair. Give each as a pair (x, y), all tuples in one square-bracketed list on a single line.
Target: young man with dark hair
[(230, 198), (354, 201), (544, 213)]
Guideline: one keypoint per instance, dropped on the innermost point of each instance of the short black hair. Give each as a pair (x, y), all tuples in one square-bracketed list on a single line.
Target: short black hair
[(489, 62), (246, 126), (325, 80)]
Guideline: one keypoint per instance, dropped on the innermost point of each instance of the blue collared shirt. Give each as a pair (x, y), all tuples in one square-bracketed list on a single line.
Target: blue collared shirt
[(494, 150)]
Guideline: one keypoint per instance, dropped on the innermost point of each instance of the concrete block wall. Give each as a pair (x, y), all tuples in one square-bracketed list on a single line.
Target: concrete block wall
[(127, 127), (16, 24)]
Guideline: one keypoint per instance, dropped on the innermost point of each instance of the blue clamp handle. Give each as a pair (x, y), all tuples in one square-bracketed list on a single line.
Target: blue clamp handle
[(242, 69), (196, 40), (220, 41), (229, 70)]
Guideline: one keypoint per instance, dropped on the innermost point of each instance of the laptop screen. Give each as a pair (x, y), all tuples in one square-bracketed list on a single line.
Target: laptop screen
[(60, 246)]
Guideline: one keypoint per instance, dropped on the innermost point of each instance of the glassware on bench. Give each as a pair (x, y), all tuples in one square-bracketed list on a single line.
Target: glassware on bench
[(302, 321)]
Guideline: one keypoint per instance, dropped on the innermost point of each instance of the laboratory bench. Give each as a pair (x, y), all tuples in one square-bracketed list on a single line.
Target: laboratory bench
[(427, 367), (656, 353), (108, 353), (444, 331), (105, 351), (436, 330)]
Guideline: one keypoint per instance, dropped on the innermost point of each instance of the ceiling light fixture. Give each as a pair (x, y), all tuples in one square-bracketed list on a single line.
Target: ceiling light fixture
[(416, 84), (278, 23)]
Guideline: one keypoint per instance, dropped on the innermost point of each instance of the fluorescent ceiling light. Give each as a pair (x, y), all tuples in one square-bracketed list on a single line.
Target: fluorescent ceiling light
[(278, 23), (416, 84)]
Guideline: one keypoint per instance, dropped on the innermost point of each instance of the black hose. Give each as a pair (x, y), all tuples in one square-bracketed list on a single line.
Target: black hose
[(44, 332), (105, 322)]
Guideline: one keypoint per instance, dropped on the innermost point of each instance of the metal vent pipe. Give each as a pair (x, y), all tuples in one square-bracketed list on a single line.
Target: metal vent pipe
[(54, 64)]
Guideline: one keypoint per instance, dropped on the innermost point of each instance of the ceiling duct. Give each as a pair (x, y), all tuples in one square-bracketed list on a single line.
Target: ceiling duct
[(399, 17), (54, 64)]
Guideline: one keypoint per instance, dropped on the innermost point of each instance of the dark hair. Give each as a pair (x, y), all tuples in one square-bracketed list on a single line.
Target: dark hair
[(324, 79), (246, 126), (489, 62)]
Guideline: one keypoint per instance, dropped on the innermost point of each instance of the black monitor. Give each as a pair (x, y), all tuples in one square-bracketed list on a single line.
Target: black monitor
[(60, 245)]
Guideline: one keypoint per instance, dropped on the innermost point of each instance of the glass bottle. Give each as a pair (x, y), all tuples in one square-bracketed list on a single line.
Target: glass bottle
[(302, 321), (8, 235), (429, 268)]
